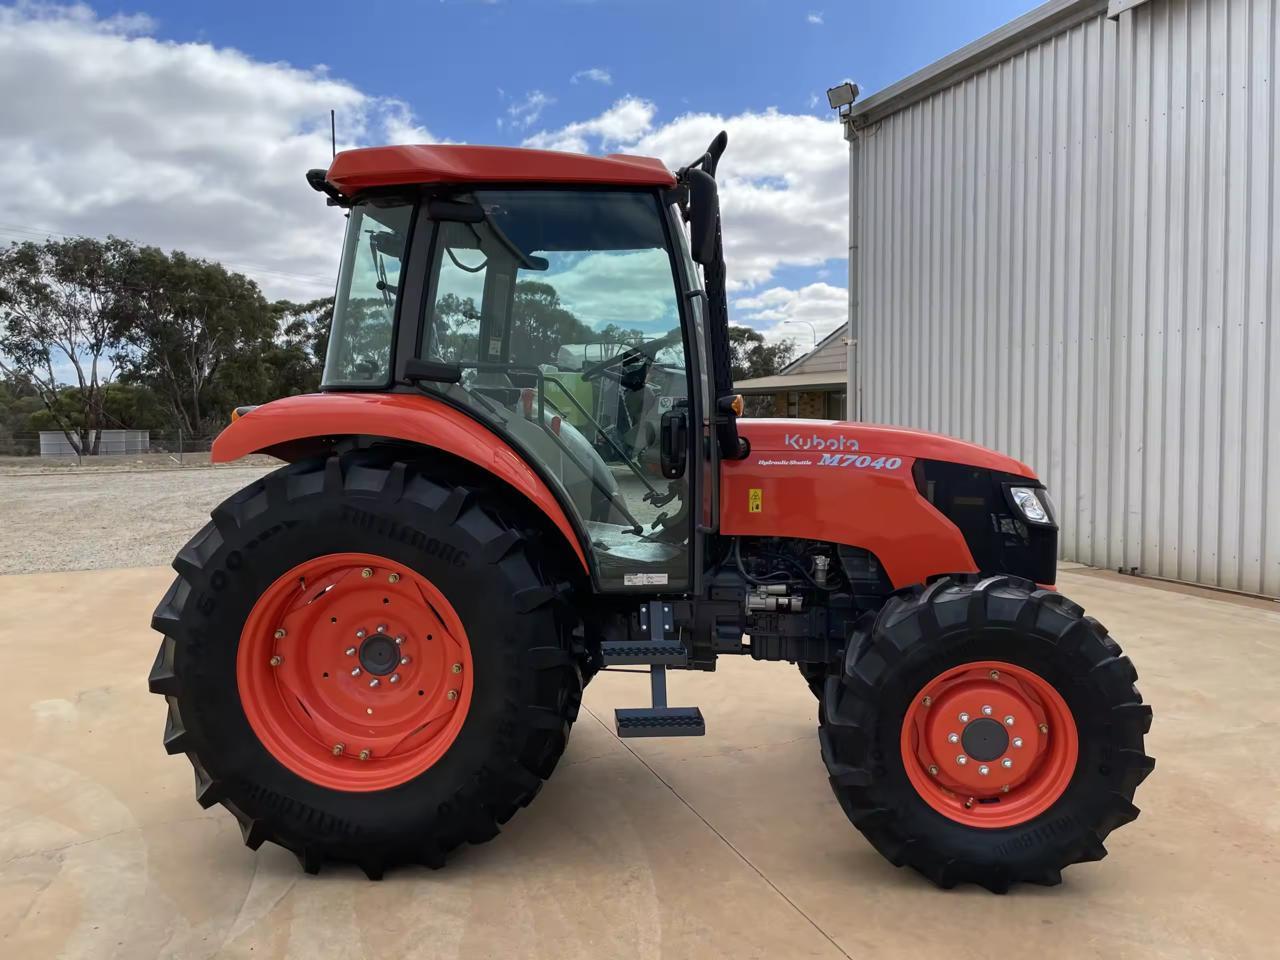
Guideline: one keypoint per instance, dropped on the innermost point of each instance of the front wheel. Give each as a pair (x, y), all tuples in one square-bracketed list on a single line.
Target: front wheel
[(366, 663), (985, 731)]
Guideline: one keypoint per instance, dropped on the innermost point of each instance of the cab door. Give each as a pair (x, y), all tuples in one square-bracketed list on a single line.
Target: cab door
[(566, 311)]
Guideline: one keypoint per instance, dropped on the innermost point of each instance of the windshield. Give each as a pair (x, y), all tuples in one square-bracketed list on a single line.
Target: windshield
[(364, 310), (561, 308)]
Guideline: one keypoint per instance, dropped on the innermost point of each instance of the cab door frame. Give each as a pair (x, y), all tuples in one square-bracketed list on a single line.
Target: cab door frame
[(418, 293)]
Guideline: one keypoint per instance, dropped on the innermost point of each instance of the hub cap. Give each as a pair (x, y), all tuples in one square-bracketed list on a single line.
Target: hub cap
[(989, 744), (354, 672)]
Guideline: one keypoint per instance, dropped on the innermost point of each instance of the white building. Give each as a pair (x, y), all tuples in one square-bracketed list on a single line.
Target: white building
[(54, 443), (1065, 244)]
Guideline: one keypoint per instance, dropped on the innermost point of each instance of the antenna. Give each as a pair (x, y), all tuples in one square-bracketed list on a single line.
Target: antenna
[(333, 133)]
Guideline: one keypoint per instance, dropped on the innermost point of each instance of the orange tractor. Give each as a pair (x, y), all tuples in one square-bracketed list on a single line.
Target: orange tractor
[(526, 464)]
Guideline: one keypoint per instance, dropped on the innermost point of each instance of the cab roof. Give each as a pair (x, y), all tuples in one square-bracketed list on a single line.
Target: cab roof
[(355, 170)]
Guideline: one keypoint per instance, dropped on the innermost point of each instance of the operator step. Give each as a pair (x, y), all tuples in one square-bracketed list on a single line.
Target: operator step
[(659, 722), (617, 653)]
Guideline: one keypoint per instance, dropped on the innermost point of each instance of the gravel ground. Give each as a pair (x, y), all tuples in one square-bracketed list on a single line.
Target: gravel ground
[(90, 519)]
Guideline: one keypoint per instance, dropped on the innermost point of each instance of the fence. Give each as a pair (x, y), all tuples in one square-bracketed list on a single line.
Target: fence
[(161, 446)]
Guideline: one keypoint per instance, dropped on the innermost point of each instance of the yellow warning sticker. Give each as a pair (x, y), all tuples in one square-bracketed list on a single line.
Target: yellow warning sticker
[(755, 500)]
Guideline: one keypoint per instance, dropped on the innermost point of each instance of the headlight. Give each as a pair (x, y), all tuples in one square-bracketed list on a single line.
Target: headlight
[(1028, 502)]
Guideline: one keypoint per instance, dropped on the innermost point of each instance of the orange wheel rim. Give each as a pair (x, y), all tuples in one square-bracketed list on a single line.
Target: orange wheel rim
[(354, 672), (989, 744)]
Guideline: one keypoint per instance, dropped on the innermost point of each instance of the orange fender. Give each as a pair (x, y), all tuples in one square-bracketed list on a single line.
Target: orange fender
[(399, 416)]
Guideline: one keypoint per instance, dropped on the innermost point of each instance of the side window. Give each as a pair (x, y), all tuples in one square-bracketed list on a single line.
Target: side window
[(453, 323), (359, 352)]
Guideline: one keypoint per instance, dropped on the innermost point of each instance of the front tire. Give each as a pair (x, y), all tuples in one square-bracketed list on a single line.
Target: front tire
[(985, 731), (268, 662)]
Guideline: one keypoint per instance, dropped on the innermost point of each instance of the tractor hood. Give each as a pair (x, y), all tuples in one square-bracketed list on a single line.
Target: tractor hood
[(801, 437)]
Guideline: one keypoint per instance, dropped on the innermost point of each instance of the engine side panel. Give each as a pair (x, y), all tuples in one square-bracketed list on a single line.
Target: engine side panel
[(398, 416), (851, 484)]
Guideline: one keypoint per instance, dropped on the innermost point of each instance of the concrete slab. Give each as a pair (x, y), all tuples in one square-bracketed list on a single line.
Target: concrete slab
[(728, 845)]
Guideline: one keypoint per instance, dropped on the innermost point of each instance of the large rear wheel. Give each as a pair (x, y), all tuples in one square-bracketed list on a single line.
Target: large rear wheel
[(985, 731), (365, 663)]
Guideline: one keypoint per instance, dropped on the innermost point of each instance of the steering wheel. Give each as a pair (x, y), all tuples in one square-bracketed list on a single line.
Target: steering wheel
[(635, 359)]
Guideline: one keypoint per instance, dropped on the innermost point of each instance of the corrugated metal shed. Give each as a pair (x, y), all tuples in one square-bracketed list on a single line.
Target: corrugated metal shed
[(1067, 247)]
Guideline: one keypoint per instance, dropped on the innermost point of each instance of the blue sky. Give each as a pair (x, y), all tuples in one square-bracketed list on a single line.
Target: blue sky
[(188, 124), (460, 65)]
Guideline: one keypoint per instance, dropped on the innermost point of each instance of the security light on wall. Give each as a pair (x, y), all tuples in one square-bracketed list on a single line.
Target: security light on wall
[(842, 96)]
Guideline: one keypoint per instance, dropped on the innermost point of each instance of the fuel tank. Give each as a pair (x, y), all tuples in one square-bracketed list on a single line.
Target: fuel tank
[(859, 484)]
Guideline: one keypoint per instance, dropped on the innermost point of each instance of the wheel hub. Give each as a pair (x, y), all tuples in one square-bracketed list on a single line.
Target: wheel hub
[(379, 655), (984, 739), (989, 744), (354, 672)]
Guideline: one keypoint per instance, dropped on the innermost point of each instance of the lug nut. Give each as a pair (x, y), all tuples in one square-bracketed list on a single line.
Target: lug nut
[(457, 668), (276, 660), (964, 718), (933, 770), (994, 674), (953, 738), (403, 661), (280, 634), (382, 628), (355, 671), (1008, 721), (1005, 788), (374, 682), (1006, 763), (1044, 728), (394, 678), (394, 578), (984, 770), (366, 573), (927, 701), (452, 694), (364, 754), (338, 748), (399, 640), (1017, 741), (986, 709), (359, 634), (350, 651), (962, 759)]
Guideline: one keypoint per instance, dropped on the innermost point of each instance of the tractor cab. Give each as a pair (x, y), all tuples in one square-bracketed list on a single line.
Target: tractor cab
[(568, 319)]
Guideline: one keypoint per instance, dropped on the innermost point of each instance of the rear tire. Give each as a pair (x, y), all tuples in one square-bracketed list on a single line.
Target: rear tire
[(1071, 675), (485, 562)]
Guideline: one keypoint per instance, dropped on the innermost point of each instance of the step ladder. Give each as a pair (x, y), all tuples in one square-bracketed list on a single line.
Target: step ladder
[(658, 650)]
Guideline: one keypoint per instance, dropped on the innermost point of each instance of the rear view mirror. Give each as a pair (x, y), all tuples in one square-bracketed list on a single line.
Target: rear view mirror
[(704, 216)]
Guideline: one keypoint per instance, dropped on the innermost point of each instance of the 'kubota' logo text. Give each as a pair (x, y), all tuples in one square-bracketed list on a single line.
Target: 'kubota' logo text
[(798, 441)]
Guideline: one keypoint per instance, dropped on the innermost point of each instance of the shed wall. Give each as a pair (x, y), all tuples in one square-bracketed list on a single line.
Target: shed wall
[(1073, 256)]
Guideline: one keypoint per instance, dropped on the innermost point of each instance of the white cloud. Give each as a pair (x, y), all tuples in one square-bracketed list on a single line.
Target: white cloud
[(815, 17), (781, 313), (623, 123), (783, 179), (594, 74), (188, 146), (182, 145), (526, 112)]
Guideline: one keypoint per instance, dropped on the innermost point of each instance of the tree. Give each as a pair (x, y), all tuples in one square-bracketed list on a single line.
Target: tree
[(60, 323), (197, 336), (540, 325), (295, 361), (750, 356)]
